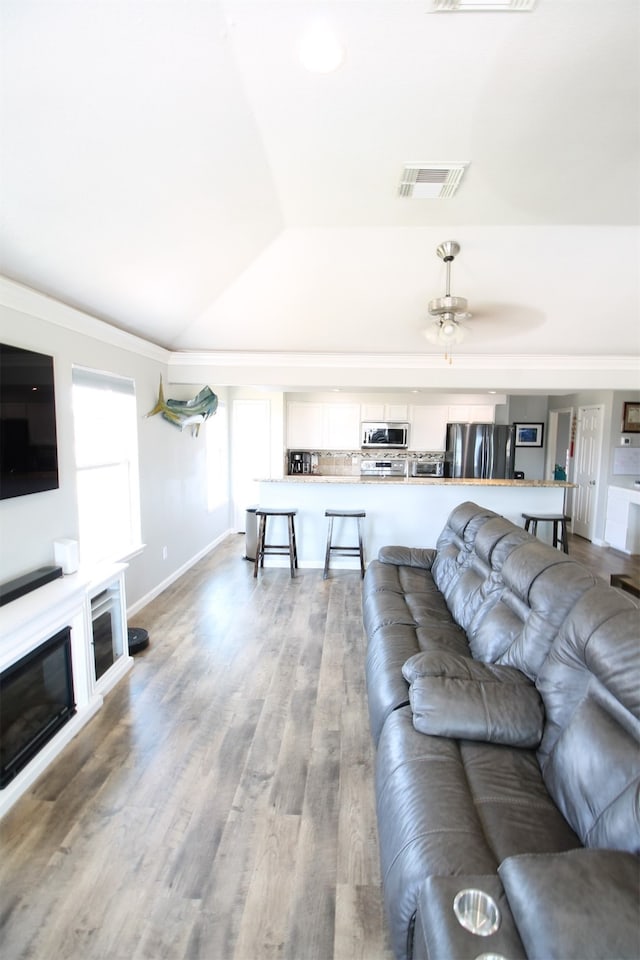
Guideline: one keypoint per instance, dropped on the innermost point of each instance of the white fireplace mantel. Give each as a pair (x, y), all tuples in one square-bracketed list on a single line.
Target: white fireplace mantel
[(27, 622)]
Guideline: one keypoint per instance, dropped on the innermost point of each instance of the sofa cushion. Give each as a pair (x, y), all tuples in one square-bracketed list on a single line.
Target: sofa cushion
[(517, 625), (427, 821), (513, 803), (595, 777), (454, 696), (590, 751), (580, 905)]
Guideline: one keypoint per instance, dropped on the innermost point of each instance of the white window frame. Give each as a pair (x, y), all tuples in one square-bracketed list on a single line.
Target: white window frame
[(107, 473)]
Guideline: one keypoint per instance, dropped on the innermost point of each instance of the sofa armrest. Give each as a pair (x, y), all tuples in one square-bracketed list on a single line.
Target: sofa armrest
[(577, 905), (407, 556), (453, 696), (439, 936)]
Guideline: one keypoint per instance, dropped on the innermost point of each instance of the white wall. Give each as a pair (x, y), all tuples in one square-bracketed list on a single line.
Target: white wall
[(173, 493)]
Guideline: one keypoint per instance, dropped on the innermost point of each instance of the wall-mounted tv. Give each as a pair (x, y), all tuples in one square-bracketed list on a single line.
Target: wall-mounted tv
[(28, 444)]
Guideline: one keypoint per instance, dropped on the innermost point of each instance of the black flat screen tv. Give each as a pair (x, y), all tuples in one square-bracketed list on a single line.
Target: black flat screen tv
[(28, 443)]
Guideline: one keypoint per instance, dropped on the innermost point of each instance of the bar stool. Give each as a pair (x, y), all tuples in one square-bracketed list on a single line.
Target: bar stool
[(559, 522), (352, 551), (264, 549)]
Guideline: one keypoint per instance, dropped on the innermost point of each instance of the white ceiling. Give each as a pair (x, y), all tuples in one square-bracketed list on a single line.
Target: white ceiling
[(169, 167)]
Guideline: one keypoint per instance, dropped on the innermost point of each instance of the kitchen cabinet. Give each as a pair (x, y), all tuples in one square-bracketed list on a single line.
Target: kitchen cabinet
[(342, 426), (384, 411), (622, 525), (428, 427), (305, 425), (323, 426), (472, 413)]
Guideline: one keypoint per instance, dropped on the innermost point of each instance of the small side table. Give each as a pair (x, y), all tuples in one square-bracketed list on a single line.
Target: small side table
[(626, 581)]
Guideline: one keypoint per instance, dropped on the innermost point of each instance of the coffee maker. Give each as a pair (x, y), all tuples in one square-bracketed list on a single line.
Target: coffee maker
[(299, 462)]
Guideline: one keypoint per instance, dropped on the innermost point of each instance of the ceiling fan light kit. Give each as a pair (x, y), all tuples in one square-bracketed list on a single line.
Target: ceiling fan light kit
[(449, 312)]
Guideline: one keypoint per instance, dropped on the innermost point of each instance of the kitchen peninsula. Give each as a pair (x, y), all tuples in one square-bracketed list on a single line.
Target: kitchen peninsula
[(408, 511)]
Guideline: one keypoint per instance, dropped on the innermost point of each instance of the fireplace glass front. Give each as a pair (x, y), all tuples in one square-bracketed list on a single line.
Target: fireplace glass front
[(36, 700)]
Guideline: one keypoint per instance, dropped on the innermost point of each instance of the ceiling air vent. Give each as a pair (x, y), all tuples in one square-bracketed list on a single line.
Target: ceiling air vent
[(431, 181), (499, 6)]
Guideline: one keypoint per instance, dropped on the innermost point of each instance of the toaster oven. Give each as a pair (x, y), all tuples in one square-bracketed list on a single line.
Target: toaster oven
[(427, 468)]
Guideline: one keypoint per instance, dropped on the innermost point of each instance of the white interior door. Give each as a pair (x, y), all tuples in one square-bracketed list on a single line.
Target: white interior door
[(587, 469), (250, 454)]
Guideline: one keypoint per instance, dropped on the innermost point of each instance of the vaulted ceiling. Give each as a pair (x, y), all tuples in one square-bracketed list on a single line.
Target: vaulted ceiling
[(170, 167)]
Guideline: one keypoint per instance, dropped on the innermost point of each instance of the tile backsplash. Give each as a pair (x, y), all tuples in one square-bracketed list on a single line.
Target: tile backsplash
[(346, 463)]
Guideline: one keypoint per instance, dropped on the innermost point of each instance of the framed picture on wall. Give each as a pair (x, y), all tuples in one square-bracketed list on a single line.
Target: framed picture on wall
[(631, 418), (529, 434)]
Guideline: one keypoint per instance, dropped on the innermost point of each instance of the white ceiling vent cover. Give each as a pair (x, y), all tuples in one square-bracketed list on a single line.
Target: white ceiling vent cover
[(431, 181), (500, 6)]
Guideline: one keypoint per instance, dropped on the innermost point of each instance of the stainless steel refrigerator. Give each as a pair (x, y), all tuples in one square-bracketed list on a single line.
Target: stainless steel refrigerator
[(480, 450)]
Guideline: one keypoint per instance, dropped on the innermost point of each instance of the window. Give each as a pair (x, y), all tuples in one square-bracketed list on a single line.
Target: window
[(106, 449)]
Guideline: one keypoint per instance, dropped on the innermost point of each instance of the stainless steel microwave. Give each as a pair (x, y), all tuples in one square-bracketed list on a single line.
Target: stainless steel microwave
[(376, 435)]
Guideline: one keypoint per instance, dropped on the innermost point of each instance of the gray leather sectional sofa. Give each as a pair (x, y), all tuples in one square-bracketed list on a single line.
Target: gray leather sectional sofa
[(504, 696)]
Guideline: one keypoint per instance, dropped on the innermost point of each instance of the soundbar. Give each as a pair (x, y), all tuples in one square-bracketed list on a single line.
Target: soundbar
[(12, 589)]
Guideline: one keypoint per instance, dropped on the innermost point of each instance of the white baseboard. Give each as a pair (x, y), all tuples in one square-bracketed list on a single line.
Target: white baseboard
[(164, 584)]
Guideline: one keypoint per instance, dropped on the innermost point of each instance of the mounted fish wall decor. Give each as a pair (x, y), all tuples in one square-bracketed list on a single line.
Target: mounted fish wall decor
[(186, 413)]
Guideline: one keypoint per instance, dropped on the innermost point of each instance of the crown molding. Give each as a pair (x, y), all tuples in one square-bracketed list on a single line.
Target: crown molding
[(24, 299), (407, 361)]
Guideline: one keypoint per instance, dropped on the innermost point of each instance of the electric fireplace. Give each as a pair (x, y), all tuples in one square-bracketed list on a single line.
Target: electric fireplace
[(36, 700)]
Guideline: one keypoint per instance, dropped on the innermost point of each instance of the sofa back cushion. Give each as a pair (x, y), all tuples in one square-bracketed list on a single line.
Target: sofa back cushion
[(540, 587), (509, 591), (590, 750), (455, 546)]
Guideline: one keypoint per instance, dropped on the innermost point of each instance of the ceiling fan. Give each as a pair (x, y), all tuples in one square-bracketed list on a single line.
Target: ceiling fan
[(449, 312)]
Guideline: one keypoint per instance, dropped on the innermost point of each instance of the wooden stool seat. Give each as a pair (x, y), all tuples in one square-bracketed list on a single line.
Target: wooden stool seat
[(559, 522), (350, 551), (264, 549)]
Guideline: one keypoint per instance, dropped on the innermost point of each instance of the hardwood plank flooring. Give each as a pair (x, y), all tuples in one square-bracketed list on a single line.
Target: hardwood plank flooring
[(602, 561), (220, 806)]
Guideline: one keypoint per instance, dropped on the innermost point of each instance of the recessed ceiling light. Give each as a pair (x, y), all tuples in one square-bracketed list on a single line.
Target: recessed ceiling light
[(319, 49), (466, 6)]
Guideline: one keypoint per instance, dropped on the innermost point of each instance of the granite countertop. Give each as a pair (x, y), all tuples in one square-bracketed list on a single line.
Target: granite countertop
[(417, 481)]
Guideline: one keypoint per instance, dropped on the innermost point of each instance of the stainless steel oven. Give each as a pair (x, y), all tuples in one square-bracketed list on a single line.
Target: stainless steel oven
[(394, 469)]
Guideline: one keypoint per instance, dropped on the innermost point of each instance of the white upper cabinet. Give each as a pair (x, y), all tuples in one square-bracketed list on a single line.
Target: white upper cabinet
[(472, 413), (428, 427), (342, 426), (384, 411), (323, 426), (305, 425)]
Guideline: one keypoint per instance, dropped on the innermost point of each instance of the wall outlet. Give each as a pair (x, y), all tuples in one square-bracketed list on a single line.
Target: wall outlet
[(625, 441), (165, 553)]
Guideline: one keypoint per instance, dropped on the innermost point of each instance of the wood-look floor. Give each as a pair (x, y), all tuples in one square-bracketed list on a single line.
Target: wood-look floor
[(220, 806)]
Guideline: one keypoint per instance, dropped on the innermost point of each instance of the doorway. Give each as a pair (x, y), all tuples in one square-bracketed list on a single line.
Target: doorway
[(587, 470), (251, 454), (560, 451)]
